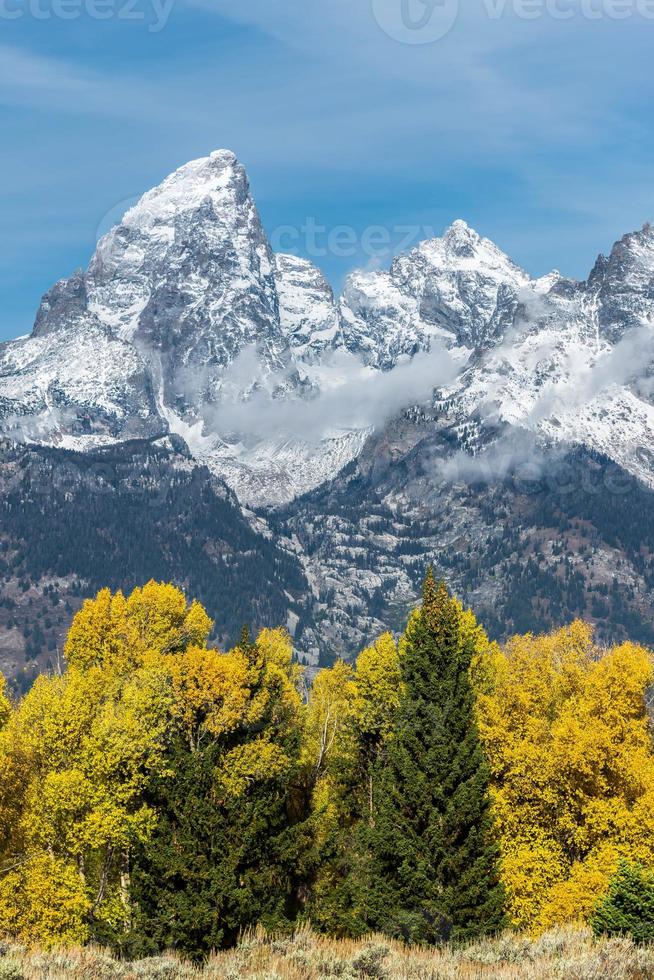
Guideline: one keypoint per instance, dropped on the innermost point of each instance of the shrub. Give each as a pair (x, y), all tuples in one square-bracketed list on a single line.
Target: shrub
[(11, 970), (628, 908), (369, 962)]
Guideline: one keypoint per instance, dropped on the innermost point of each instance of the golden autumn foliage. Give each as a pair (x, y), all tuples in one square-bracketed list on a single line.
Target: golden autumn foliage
[(347, 705), (210, 692), (5, 706), (563, 724), (118, 633), (272, 711), (41, 901), (79, 750), (332, 710), (566, 732), (378, 685)]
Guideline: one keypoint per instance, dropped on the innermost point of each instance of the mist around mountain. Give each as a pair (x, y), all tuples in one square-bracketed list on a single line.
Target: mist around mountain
[(449, 409)]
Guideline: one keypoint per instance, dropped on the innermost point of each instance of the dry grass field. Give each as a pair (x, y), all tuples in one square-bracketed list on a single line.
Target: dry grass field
[(570, 953)]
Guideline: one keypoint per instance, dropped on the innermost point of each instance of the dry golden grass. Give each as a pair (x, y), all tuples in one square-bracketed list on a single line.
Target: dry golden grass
[(567, 953)]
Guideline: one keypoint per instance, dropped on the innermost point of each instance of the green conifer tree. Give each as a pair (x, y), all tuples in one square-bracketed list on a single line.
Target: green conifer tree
[(628, 908), (213, 866), (223, 857), (434, 861)]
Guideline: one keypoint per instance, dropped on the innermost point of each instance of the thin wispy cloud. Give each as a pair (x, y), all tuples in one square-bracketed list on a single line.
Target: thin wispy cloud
[(360, 399), (333, 119), (627, 362), (32, 80)]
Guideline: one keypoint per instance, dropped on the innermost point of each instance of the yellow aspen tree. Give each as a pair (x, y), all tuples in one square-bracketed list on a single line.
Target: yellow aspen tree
[(5, 705), (566, 732), (210, 692), (85, 746), (378, 683), (273, 709)]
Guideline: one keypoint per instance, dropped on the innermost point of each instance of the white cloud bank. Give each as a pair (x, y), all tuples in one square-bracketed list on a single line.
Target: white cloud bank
[(355, 397)]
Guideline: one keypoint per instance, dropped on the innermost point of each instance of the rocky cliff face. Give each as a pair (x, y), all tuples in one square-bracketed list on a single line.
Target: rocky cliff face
[(372, 431), (459, 290), (623, 285), (184, 312)]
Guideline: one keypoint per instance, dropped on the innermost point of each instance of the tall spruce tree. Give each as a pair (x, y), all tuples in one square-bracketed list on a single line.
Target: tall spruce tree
[(213, 867), (227, 849), (434, 861), (628, 907)]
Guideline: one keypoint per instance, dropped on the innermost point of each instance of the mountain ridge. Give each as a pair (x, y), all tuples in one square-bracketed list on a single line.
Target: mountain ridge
[(146, 341), (364, 435)]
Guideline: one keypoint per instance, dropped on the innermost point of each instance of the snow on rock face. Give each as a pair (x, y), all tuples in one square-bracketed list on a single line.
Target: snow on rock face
[(625, 284), (189, 271), (77, 387), (465, 284), (275, 472), (184, 305), (563, 375), (66, 303), (460, 289), (307, 312)]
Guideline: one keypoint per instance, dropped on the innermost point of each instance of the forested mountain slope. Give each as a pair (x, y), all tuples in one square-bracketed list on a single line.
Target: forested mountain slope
[(195, 407)]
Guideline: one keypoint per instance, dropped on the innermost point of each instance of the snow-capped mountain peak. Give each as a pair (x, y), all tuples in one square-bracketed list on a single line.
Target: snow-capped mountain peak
[(188, 263), (460, 233), (218, 178), (459, 240), (459, 290), (184, 307), (462, 249)]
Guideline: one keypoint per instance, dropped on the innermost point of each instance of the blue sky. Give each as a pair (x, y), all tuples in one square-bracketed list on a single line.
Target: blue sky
[(532, 120)]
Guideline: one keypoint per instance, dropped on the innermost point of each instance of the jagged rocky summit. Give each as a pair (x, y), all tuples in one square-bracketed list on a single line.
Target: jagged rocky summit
[(186, 322), (422, 416)]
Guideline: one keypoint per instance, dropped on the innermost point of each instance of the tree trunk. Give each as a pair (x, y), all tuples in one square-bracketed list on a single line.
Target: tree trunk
[(125, 882)]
